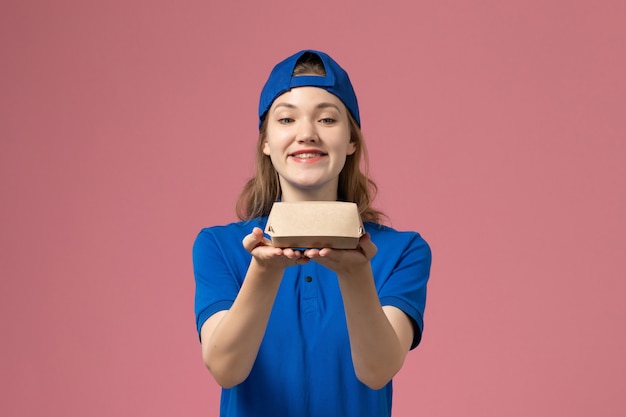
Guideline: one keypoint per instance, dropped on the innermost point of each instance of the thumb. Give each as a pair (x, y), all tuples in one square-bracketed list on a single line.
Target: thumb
[(253, 240), (368, 247)]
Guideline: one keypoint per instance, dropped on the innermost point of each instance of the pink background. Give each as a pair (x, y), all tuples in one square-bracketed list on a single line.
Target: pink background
[(496, 128)]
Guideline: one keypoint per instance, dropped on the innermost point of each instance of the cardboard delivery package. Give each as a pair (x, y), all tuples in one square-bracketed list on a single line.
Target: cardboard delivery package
[(315, 224)]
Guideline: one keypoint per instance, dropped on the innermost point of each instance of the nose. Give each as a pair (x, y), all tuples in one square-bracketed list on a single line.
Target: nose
[(307, 133)]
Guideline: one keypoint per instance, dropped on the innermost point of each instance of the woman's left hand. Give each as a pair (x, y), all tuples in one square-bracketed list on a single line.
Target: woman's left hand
[(344, 260)]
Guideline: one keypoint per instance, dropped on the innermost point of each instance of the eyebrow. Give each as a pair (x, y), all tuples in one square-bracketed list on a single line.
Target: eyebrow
[(319, 106)]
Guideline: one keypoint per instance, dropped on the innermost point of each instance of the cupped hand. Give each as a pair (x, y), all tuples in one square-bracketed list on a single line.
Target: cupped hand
[(345, 260), (270, 256)]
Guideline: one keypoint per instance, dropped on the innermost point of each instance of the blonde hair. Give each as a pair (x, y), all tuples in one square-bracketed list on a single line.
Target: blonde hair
[(263, 189)]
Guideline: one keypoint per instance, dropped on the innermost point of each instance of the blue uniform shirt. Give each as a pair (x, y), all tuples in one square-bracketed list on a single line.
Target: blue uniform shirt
[(304, 366)]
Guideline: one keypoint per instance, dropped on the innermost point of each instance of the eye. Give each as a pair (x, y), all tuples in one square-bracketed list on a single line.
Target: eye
[(327, 121), (285, 120)]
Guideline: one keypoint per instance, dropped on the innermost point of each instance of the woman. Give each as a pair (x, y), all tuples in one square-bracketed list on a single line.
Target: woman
[(312, 332)]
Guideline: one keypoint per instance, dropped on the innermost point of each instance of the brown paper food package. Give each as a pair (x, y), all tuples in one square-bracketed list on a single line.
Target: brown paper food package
[(315, 224)]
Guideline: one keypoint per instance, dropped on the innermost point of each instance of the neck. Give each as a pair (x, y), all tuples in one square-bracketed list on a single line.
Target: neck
[(308, 195)]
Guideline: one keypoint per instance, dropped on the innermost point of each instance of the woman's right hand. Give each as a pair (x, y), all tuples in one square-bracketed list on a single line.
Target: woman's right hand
[(270, 256)]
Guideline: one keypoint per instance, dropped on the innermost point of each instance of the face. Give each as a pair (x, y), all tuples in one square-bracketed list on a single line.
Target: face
[(308, 140)]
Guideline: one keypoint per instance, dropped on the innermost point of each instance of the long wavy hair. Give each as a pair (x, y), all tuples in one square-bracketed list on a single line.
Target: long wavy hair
[(263, 189)]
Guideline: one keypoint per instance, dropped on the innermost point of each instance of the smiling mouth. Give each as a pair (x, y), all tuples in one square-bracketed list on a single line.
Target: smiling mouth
[(307, 155)]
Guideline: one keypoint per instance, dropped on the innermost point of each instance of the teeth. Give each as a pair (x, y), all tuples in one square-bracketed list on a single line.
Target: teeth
[(307, 155)]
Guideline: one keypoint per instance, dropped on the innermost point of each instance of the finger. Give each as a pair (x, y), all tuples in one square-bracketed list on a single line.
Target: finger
[(324, 252), (262, 239), (368, 247), (312, 253), (253, 240), (291, 254)]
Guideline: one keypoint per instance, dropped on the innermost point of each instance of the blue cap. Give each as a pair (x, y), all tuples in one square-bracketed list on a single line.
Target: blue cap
[(281, 80)]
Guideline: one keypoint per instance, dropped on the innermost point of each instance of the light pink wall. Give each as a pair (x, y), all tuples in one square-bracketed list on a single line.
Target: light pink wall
[(496, 128)]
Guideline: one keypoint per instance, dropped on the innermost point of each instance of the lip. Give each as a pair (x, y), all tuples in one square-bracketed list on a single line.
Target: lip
[(320, 155)]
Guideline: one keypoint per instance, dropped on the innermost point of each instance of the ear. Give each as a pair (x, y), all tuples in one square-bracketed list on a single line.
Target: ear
[(266, 148), (351, 149)]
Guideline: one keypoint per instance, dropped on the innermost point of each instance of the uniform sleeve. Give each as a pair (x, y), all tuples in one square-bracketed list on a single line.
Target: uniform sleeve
[(217, 278), (405, 275)]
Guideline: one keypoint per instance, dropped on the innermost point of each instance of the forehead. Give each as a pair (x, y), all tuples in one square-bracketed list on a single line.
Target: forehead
[(303, 97)]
